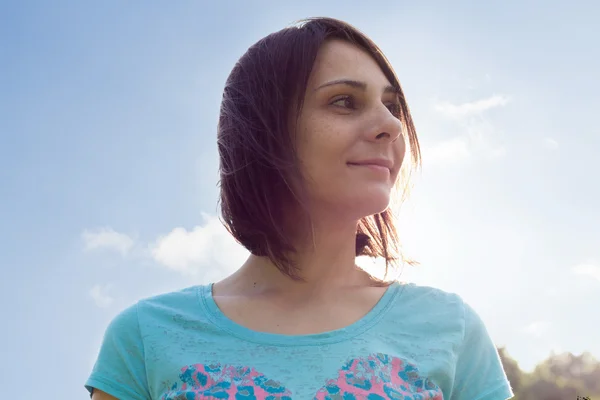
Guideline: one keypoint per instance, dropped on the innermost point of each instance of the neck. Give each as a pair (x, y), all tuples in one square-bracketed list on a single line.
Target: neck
[(327, 254), (325, 257)]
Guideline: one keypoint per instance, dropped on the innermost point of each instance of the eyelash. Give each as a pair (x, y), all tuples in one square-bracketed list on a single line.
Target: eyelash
[(394, 108)]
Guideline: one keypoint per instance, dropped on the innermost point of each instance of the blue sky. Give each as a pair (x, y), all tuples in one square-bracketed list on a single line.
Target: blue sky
[(108, 164)]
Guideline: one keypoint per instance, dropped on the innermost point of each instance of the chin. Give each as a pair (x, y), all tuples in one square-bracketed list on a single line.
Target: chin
[(366, 204)]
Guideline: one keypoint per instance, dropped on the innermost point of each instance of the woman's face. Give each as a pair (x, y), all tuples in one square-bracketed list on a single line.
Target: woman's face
[(349, 139)]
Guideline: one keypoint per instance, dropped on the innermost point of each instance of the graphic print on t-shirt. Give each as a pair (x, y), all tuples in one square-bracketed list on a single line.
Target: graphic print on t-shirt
[(377, 376)]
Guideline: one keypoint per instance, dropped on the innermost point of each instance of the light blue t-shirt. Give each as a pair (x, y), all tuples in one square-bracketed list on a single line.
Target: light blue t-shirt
[(417, 343)]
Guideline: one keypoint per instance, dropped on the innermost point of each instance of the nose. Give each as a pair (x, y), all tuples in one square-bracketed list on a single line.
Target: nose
[(384, 126)]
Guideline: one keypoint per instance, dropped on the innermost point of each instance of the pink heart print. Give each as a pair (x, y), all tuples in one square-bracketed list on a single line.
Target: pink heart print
[(377, 376)]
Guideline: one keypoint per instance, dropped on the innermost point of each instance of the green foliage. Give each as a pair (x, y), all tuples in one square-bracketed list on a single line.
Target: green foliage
[(559, 377)]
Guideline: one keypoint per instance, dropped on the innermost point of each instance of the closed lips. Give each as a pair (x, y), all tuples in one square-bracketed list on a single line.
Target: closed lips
[(374, 163)]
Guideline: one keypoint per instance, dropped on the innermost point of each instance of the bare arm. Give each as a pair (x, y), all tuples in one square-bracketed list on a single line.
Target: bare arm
[(100, 395)]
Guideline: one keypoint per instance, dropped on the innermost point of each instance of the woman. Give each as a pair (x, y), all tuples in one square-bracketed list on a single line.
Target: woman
[(312, 136)]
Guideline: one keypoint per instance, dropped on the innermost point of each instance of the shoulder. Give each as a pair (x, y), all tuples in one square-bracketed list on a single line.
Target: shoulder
[(438, 306), (447, 310), (178, 298), (165, 305), (184, 302), (429, 296)]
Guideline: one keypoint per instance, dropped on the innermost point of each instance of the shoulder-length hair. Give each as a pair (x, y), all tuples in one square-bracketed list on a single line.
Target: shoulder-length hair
[(257, 156)]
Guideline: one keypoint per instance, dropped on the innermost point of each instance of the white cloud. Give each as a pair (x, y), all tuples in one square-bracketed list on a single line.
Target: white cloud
[(550, 143), (588, 270), (207, 250), (471, 108), (483, 139), (477, 141), (107, 238), (537, 328), (551, 291), (479, 137), (447, 151), (497, 152), (101, 296)]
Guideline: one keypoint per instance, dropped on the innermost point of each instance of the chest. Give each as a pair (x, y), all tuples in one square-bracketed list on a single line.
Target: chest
[(308, 316), (202, 355), (302, 373)]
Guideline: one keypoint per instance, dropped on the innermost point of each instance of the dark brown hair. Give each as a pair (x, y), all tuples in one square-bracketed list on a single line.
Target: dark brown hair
[(257, 157)]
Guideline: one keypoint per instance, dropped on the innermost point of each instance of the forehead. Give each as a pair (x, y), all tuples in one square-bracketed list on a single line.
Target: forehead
[(339, 59)]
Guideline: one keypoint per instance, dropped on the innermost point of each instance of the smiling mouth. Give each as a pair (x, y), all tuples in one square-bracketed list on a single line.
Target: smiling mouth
[(372, 167)]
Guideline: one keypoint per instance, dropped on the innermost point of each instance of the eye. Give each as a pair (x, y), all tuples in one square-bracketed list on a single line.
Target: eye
[(345, 102), (394, 109)]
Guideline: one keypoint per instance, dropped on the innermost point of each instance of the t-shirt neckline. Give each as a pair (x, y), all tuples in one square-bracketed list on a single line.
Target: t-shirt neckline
[(218, 318)]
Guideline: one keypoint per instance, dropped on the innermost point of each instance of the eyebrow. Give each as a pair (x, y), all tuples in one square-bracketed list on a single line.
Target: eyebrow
[(356, 84)]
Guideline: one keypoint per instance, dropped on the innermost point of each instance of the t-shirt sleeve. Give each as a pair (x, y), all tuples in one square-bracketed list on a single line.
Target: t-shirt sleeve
[(479, 373), (120, 367)]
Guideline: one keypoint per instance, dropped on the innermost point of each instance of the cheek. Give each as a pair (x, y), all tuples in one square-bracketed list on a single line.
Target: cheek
[(320, 145), (321, 152), (400, 149)]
